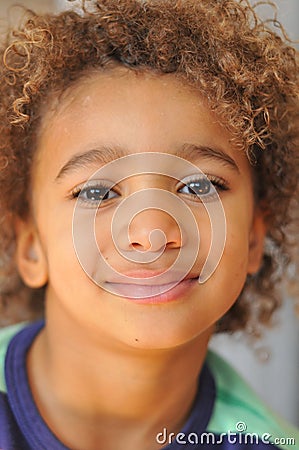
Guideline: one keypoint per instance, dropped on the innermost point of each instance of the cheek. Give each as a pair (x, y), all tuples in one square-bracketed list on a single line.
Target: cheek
[(79, 249), (230, 275), (222, 289), (55, 227), (205, 228), (236, 252), (105, 238)]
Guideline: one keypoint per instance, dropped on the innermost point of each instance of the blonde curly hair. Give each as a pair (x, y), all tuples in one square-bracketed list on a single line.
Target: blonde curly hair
[(248, 74)]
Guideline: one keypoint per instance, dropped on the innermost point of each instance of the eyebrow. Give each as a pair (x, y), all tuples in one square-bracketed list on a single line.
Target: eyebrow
[(99, 155), (104, 155), (192, 152)]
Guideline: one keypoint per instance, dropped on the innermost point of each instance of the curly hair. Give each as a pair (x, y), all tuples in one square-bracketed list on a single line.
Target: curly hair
[(247, 73)]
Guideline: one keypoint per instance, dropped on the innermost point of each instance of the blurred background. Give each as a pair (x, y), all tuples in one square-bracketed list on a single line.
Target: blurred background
[(270, 365)]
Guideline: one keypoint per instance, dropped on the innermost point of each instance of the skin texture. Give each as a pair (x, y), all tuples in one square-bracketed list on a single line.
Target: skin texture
[(248, 73), (127, 362)]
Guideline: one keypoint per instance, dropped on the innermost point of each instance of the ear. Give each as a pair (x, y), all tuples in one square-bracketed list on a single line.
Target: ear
[(256, 242), (30, 257)]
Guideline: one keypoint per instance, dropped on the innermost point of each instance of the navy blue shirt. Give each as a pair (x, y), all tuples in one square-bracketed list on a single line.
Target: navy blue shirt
[(226, 414)]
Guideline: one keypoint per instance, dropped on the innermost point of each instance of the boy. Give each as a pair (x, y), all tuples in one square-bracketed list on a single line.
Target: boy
[(148, 169)]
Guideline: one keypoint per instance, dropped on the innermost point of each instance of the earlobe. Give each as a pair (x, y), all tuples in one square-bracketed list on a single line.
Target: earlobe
[(256, 243), (30, 257)]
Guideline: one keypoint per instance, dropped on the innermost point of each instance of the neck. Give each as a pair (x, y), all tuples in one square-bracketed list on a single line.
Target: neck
[(78, 380)]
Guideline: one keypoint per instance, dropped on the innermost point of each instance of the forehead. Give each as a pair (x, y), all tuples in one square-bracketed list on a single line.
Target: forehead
[(132, 111), (114, 87)]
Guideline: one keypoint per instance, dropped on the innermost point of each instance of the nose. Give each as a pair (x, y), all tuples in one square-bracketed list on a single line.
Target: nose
[(153, 229), (149, 220)]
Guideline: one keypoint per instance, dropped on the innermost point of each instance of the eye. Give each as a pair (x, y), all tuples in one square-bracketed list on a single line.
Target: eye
[(202, 187), (94, 194)]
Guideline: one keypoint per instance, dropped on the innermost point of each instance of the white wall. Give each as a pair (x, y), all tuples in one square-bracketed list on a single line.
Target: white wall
[(288, 15), (37, 5)]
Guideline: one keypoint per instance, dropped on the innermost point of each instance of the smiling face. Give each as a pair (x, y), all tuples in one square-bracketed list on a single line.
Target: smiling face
[(105, 117)]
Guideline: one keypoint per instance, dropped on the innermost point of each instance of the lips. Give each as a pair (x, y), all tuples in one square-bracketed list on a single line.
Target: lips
[(149, 277), (141, 290), (145, 292)]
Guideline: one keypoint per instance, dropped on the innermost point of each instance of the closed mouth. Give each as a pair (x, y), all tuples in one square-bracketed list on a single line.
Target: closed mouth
[(152, 293)]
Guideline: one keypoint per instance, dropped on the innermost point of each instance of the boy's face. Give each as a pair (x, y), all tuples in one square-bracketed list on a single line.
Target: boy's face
[(103, 118)]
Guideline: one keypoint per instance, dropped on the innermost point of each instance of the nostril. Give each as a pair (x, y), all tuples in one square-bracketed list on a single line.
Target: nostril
[(138, 247), (154, 241)]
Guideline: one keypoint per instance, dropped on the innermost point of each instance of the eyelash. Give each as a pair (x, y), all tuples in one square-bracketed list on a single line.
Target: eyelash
[(219, 184), (78, 192)]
